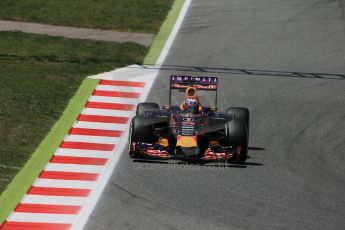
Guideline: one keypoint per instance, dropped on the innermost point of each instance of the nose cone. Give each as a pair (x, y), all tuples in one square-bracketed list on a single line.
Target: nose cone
[(189, 151), (187, 141)]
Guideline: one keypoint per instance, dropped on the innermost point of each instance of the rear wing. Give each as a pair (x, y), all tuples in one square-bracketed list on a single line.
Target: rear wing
[(201, 83)]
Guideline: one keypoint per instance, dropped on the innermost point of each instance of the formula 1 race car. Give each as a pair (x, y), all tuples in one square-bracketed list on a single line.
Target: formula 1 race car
[(190, 131)]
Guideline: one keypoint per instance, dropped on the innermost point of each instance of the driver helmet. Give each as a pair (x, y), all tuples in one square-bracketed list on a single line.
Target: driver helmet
[(191, 103)]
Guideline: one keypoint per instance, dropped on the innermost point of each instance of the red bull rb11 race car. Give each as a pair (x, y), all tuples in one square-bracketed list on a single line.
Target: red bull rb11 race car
[(189, 130)]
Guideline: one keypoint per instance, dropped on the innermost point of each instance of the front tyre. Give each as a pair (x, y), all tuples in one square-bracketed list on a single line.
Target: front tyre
[(241, 114), (237, 137), (144, 107), (140, 131)]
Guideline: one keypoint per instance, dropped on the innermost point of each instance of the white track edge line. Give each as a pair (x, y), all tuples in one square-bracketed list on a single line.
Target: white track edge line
[(173, 33), (105, 176)]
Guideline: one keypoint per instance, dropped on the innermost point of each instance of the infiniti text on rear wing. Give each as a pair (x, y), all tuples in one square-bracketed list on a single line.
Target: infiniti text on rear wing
[(202, 83)]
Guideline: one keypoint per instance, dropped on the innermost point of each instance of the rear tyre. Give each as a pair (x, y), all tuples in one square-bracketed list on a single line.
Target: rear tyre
[(237, 135), (144, 107)]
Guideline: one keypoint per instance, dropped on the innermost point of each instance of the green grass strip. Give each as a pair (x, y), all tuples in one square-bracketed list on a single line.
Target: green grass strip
[(164, 32), (27, 175), (120, 15)]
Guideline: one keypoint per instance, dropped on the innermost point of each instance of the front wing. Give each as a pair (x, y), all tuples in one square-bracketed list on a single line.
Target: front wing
[(157, 151)]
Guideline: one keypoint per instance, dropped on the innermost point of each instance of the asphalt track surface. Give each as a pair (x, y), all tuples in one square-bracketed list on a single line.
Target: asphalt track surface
[(295, 176)]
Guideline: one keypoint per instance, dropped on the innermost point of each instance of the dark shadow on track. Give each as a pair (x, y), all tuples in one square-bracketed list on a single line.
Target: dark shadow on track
[(252, 164), (256, 148), (198, 163), (248, 72)]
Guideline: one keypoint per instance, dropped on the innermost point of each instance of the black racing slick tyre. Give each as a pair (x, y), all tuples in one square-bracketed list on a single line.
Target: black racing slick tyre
[(140, 131), (241, 114), (144, 107), (237, 135)]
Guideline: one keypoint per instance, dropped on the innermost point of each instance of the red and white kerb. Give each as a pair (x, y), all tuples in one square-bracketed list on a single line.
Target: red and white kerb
[(62, 189)]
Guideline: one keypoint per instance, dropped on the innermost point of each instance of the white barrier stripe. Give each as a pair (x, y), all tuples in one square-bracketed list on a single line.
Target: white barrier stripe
[(120, 88), (42, 218), (73, 168), (83, 153), (54, 200), (64, 184), (92, 139), (98, 125), (119, 100), (107, 112)]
